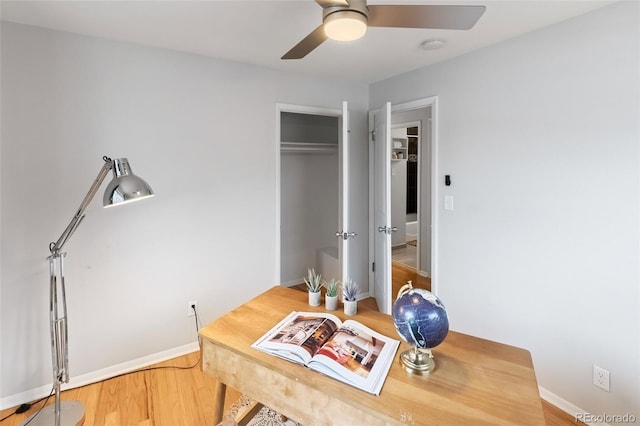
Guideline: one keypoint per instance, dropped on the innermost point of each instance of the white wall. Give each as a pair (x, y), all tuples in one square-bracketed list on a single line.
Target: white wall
[(540, 136), (201, 132), (309, 214)]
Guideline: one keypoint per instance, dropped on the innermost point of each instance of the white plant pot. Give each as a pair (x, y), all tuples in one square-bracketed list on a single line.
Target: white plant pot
[(350, 307), (331, 302), (314, 298)]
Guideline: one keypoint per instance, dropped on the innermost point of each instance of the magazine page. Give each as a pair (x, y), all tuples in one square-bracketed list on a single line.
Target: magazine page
[(357, 355), (299, 336)]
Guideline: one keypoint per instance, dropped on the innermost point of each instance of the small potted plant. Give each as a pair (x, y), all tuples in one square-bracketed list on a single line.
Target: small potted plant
[(314, 284), (350, 296), (331, 297)]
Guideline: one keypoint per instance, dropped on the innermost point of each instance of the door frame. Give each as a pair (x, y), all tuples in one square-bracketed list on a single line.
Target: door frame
[(298, 109), (432, 102)]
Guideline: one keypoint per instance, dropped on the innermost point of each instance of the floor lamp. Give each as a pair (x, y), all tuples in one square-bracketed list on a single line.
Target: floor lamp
[(125, 187)]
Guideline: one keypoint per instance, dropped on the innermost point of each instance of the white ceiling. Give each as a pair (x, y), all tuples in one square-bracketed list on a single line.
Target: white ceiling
[(260, 32)]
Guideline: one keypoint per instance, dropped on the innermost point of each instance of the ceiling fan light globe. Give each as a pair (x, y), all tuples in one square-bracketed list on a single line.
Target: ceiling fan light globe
[(345, 25)]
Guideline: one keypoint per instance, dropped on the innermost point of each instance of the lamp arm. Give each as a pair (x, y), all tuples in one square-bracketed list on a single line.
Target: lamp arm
[(77, 218)]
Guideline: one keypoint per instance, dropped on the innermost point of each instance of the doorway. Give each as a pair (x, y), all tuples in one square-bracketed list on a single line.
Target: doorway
[(405, 171), (310, 193), (420, 114)]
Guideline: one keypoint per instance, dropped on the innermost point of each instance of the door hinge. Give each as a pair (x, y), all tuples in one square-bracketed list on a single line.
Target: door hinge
[(373, 266)]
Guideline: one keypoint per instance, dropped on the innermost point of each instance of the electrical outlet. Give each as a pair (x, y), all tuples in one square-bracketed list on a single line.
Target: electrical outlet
[(601, 378), (190, 311)]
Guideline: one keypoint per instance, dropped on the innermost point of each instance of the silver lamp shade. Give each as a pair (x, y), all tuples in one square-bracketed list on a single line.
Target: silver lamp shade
[(125, 186)]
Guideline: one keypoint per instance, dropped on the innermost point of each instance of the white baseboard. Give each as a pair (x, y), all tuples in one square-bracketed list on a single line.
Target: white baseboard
[(565, 406), (98, 375), (424, 274), (292, 283)]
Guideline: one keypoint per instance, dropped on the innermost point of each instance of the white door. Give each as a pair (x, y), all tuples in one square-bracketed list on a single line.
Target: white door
[(382, 208), (344, 234)]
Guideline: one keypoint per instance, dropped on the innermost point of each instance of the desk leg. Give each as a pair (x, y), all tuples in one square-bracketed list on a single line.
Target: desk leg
[(218, 410)]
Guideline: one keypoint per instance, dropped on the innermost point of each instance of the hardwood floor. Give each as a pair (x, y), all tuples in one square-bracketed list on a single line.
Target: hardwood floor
[(161, 397), (406, 254), (173, 397), (401, 274)]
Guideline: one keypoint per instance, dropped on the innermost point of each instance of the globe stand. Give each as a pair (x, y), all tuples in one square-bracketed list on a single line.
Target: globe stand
[(417, 362)]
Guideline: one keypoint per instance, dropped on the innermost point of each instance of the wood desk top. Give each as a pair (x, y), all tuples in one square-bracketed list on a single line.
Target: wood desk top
[(476, 381)]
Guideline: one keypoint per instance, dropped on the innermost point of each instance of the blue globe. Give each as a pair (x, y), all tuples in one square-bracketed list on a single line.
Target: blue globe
[(420, 318)]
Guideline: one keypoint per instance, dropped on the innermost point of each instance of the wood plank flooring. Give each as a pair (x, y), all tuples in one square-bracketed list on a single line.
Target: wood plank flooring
[(173, 397), (402, 273), (161, 397), (407, 254)]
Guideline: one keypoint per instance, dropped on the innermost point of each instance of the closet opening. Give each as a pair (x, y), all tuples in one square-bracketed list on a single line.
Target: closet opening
[(309, 195)]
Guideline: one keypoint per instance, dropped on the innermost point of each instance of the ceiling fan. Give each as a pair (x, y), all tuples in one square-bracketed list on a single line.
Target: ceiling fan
[(347, 20)]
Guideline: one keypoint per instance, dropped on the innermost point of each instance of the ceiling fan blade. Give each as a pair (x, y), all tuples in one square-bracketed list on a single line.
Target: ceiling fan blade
[(449, 17), (329, 3), (310, 42)]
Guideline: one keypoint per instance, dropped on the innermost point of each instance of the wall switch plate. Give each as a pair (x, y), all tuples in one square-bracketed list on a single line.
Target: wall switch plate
[(448, 202), (601, 378)]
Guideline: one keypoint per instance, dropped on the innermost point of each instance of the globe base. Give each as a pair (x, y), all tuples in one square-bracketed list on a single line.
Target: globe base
[(417, 362)]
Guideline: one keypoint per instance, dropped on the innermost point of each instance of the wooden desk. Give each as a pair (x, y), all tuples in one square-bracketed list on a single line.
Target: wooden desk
[(476, 381)]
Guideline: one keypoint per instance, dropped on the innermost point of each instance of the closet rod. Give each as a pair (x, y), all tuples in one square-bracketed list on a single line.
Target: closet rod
[(302, 147)]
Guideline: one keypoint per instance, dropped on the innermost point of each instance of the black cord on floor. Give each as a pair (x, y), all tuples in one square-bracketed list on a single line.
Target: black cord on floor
[(26, 406), (39, 409), (22, 408)]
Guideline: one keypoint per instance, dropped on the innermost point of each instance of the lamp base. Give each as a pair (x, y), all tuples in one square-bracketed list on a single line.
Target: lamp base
[(417, 362), (71, 414)]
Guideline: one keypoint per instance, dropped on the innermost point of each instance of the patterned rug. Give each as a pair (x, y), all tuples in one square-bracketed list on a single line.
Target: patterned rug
[(266, 416)]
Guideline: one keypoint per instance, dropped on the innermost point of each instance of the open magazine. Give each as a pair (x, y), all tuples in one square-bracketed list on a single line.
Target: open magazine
[(349, 351)]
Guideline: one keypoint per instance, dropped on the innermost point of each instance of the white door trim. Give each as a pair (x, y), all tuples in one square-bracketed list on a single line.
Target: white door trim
[(345, 181)]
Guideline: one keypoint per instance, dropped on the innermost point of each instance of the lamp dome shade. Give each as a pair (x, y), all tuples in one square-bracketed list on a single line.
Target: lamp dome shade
[(125, 186)]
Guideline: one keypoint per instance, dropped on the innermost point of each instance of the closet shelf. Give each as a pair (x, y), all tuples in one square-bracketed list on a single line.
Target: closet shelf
[(304, 147)]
